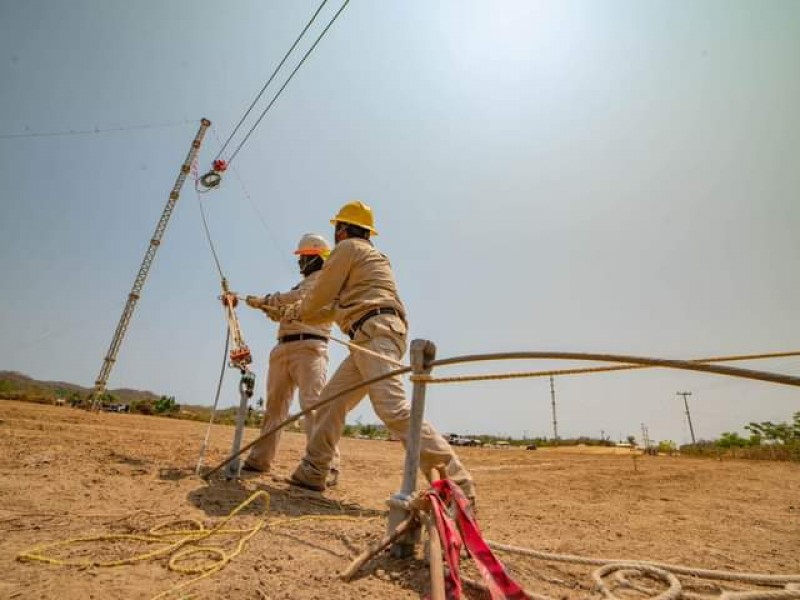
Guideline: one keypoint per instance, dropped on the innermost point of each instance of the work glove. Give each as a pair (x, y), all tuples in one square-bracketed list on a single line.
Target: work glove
[(271, 312), (290, 312), (254, 301)]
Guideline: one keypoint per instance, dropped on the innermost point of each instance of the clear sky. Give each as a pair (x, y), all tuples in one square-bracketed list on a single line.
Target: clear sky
[(617, 176)]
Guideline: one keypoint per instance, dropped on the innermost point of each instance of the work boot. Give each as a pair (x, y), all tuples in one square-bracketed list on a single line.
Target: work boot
[(333, 479), (251, 468), (305, 484), (305, 476)]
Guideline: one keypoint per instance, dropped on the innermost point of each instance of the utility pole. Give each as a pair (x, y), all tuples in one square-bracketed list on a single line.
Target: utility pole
[(553, 402), (688, 414), (141, 276), (645, 437)]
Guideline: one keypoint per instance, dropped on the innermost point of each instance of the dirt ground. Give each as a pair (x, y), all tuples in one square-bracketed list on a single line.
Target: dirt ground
[(65, 474)]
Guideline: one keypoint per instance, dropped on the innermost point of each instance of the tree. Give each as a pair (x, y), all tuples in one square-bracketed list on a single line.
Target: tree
[(731, 439), (75, 399), (781, 433), (667, 447), (164, 405), (632, 441)]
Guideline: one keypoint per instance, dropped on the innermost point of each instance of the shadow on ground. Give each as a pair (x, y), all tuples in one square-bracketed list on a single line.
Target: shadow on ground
[(221, 497)]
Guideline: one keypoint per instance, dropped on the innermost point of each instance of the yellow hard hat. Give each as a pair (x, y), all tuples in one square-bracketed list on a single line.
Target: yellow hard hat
[(356, 213), (312, 244)]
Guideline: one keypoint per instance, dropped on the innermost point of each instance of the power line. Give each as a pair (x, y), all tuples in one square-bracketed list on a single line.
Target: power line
[(9, 136), (283, 87), (271, 77)]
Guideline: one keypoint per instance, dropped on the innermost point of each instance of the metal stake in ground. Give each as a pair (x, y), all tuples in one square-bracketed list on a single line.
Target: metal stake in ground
[(246, 385), (422, 353)]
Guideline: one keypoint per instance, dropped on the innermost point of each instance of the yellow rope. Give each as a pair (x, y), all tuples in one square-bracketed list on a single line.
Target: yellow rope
[(584, 370), (177, 549)]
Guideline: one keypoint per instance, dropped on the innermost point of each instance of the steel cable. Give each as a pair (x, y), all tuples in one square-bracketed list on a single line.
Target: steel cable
[(283, 87), (271, 77), (9, 136), (204, 446)]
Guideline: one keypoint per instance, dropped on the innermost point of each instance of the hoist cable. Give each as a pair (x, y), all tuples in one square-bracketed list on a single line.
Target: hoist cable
[(208, 237), (261, 218), (283, 87), (201, 458), (271, 77)]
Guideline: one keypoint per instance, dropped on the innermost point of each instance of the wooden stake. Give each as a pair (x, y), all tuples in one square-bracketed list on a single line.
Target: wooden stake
[(402, 528), (436, 562)]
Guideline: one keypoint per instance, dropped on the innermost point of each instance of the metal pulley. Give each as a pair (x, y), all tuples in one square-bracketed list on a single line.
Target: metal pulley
[(247, 384), (213, 178)]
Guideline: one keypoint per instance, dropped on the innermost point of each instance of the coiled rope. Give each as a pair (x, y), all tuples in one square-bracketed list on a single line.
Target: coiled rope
[(625, 569), (179, 543)]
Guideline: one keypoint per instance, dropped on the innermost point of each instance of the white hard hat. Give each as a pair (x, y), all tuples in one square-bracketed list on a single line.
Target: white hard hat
[(312, 244)]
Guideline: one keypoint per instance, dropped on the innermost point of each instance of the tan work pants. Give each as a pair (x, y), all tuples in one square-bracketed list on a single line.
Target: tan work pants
[(300, 365), (386, 335)]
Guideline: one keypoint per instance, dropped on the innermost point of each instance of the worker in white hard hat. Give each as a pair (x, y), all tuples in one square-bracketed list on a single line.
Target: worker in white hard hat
[(298, 362), (358, 281)]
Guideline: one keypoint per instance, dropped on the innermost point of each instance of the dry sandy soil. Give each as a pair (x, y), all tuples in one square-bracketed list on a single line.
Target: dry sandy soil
[(65, 473)]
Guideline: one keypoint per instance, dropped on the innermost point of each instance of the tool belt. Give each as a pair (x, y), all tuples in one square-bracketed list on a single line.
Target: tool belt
[(296, 337), (384, 310)]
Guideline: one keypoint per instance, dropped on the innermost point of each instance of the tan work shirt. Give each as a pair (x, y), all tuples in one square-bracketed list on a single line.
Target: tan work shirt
[(296, 294), (356, 278)]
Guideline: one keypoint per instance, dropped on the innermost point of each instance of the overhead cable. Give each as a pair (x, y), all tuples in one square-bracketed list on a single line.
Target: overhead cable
[(277, 95), (8, 136), (271, 77)]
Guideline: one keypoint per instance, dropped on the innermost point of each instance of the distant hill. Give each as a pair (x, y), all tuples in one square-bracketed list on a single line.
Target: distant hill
[(15, 385)]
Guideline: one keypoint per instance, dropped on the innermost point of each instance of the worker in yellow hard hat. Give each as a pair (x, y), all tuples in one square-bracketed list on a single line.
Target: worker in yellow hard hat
[(355, 213), (358, 281), (299, 361)]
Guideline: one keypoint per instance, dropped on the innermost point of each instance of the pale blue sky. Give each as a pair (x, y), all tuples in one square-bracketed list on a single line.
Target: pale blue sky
[(582, 176)]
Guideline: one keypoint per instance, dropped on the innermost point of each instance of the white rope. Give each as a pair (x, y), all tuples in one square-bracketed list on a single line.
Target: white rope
[(350, 345), (330, 336), (666, 572)]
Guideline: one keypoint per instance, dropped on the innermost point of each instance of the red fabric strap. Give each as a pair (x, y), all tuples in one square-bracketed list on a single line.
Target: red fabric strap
[(501, 586)]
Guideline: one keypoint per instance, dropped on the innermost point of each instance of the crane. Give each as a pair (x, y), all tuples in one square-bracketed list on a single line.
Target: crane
[(141, 276)]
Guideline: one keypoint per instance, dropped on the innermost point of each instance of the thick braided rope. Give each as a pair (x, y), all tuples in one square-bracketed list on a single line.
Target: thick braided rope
[(666, 573), (586, 370), (514, 375), (755, 578)]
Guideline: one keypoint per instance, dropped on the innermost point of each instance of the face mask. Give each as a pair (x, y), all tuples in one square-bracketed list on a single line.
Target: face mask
[(309, 264)]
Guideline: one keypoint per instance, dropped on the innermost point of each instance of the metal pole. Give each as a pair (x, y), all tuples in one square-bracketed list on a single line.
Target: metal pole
[(553, 402), (246, 385), (149, 256), (688, 414), (422, 353)]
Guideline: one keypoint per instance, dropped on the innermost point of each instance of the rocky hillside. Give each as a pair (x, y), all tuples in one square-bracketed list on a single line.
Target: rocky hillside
[(18, 386)]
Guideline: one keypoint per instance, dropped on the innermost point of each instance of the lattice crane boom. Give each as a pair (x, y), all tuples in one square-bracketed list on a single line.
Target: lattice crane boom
[(141, 276)]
